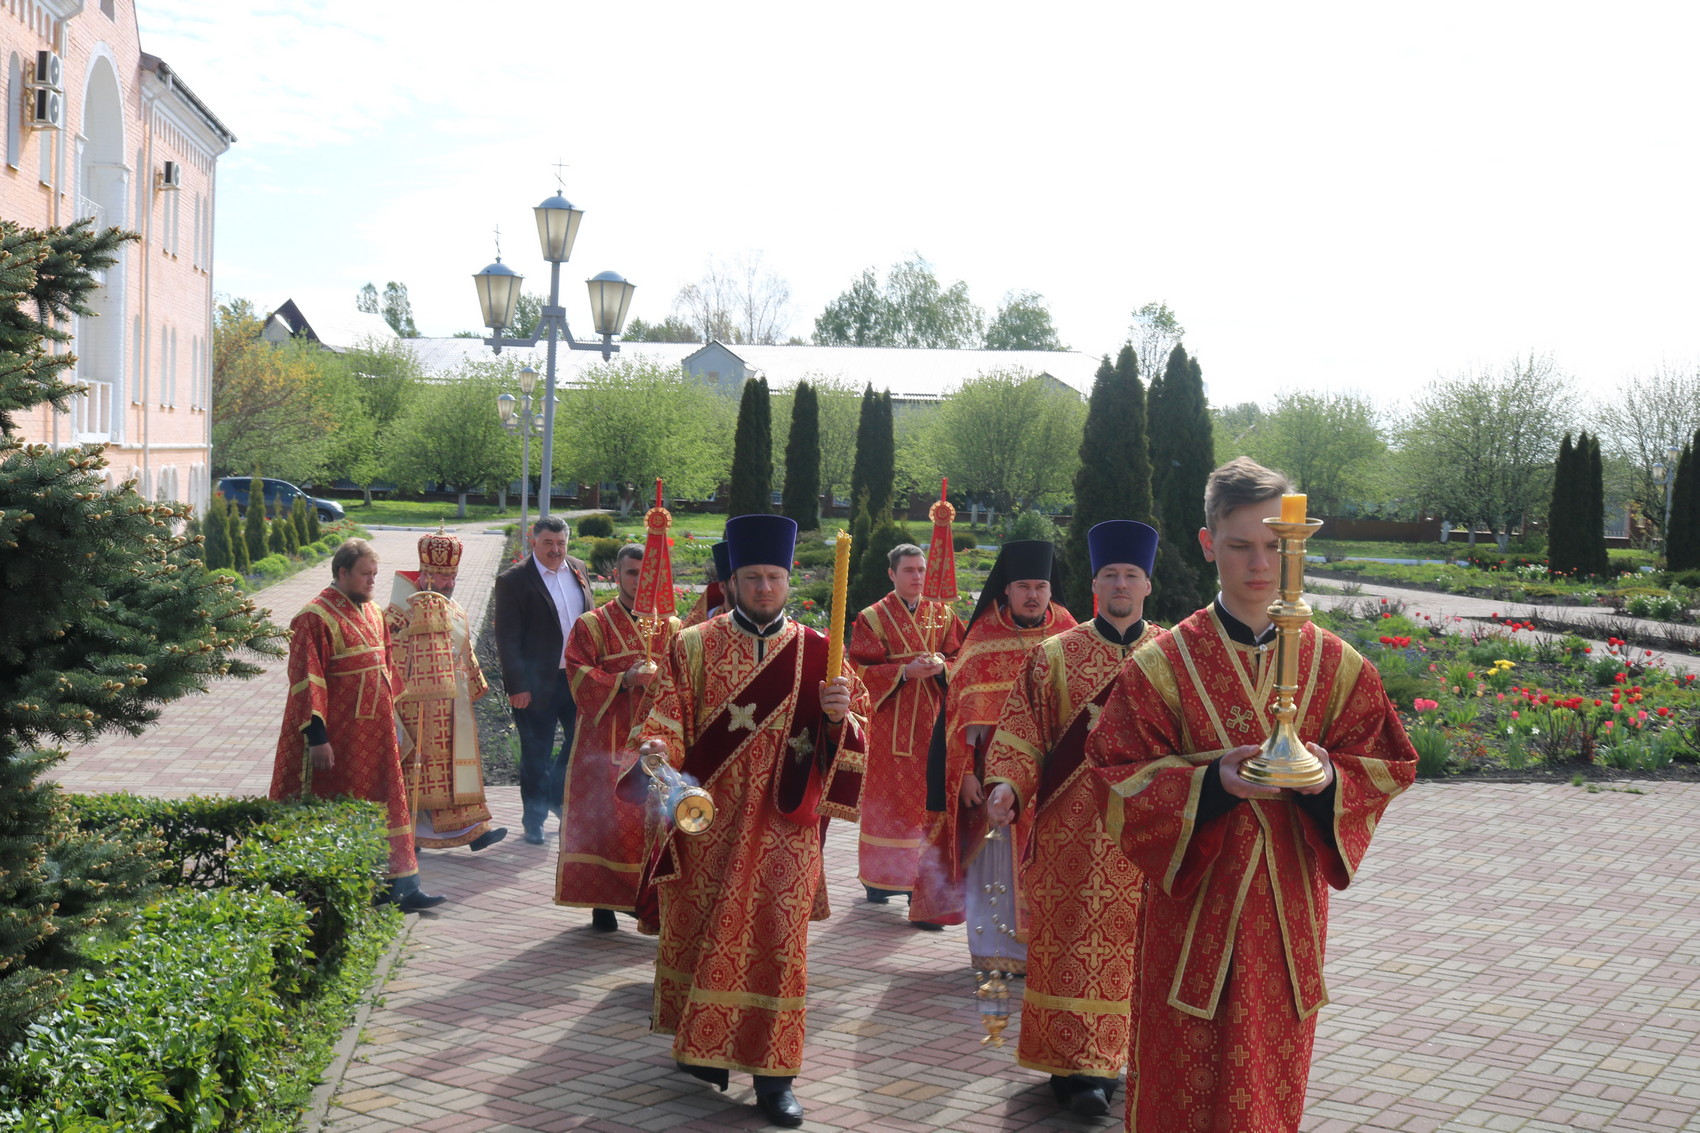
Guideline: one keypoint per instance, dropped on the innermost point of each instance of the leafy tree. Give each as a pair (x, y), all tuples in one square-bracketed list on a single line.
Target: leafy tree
[(1182, 448), (802, 460), (273, 403), (451, 435), (369, 388), (1023, 322), (397, 310), (631, 420), (1644, 417), (528, 312), (1477, 445), (1328, 443), (911, 310), (1000, 434), (671, 329), (1114, 478), (751, 488), (104, 616), (840, 405), (736, 302), (367, 300), (254, 521), (1235, 429), (1155, 333)]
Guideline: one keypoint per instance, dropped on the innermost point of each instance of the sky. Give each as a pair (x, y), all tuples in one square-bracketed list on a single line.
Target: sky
[(1329, 196)]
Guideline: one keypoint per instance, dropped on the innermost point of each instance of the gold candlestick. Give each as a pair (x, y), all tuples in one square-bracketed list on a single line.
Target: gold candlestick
[(1284, 760)]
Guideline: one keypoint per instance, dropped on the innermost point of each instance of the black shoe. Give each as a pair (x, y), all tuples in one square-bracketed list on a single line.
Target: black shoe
[(487, 839), (602, 920), (1089, 1102), (877, 896), (534, 835), (928, 926), (418, 901), (1083, 1094), (717, 1076), (781, 1107)]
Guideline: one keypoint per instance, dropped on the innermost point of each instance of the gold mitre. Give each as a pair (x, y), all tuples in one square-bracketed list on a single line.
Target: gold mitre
[(439, 554)]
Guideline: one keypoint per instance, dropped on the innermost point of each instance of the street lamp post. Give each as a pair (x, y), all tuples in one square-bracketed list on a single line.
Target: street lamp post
[(1664, 475), (498, 293), (524, 422)]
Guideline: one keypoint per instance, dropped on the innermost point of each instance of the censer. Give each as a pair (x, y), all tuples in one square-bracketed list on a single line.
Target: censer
[(687, 807)]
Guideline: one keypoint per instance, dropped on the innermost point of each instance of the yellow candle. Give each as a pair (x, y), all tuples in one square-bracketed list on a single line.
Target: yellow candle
[(840, 596), (1293, 508)]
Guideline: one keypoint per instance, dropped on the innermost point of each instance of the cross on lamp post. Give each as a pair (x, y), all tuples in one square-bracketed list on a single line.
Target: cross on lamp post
[(498, 294)]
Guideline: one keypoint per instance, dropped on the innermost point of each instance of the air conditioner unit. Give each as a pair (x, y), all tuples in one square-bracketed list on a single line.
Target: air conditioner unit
[(49, 71), (47, 110), (171, 176)]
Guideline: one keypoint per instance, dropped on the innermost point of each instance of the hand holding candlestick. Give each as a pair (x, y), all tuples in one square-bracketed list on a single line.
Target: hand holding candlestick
[(1284, 761)]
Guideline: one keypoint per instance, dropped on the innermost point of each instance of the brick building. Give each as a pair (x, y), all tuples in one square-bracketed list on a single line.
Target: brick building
[(96, 127)]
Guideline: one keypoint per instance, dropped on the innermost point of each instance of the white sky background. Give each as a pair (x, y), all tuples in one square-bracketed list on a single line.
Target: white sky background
[(1342, 196)]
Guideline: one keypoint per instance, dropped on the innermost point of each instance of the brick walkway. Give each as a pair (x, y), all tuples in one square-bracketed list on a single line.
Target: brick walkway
[(1511, 957)]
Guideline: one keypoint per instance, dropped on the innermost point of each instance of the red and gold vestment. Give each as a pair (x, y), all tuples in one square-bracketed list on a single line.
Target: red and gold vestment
[(740, 714), (433, 652), (602, 842), (886, 637), (986, 667), (341, 672), (1081, 894), (1235, 913)]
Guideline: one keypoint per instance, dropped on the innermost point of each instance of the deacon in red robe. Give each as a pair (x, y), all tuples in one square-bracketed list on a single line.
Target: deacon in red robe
[(896, 646), (1015, 613), (1081, 894), (1235, 913), (746, 710), (340, 732), (611, 670), (713, 601)]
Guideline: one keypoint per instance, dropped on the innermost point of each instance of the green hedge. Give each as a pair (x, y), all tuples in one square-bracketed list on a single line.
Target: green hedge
[(174, 1031)]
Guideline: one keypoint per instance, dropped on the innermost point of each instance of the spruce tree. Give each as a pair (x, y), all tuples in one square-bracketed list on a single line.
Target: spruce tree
[(1591, 535), (1182, 456), (1114, 478), (751, 490), (802, 460), (254, 523), (104, 616), (1562, 513)]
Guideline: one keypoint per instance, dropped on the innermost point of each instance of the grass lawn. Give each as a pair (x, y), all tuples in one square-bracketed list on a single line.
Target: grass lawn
[(406, 513)]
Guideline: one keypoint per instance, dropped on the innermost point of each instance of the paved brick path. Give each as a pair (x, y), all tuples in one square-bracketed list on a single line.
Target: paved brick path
[(1509, 958)]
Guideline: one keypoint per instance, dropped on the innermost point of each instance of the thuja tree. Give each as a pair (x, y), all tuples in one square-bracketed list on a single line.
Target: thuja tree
[(104, 617), (874, 474), (1114, 478), (801, 500), (1563, 513), (1182, 450), (751, 489), (1682, 534)]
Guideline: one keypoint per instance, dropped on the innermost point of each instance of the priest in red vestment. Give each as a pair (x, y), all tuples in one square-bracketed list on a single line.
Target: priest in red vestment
[(340, 731), (1015, 613), (433, 651), (713, 600), (1081, 894), (896, 645), (1235, 913), (611, 670), (746, 709)]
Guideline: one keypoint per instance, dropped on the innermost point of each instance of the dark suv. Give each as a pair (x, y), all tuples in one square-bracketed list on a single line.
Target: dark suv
[(280, 497)]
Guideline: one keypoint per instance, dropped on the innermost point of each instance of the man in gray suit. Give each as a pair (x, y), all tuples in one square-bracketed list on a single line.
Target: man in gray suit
[(537, 602)]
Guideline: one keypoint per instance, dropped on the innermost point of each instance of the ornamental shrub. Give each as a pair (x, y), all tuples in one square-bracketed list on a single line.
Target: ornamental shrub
[(601, 556), (596, 526), (273, 566), (964, 541)]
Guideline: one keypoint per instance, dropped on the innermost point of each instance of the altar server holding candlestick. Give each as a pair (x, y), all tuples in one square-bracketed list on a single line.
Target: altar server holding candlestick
[(1235, 909)]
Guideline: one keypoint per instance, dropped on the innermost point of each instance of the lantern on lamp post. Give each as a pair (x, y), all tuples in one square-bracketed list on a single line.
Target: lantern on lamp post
[(498, 295), (524, 422)]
